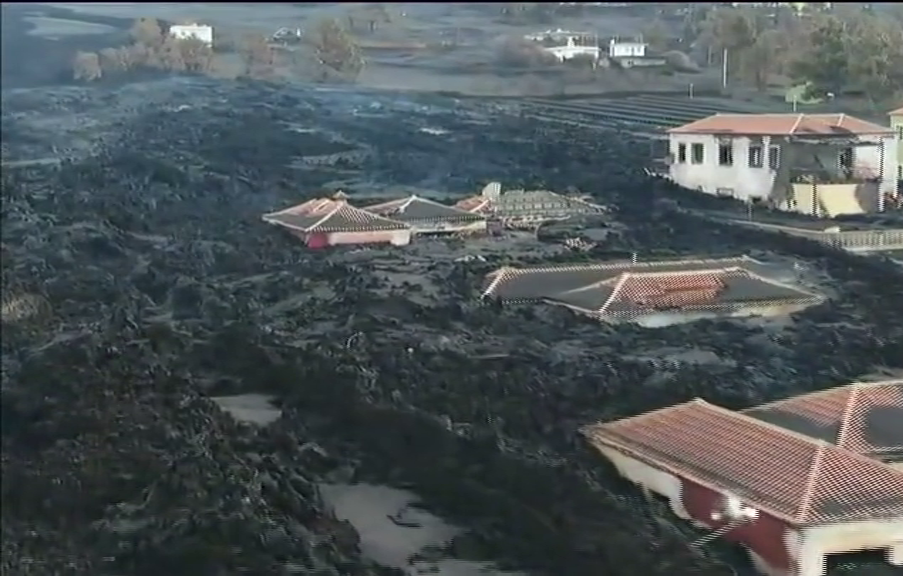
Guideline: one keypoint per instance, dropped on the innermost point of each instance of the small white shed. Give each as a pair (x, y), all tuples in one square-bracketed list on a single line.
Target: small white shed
[(198, 31)]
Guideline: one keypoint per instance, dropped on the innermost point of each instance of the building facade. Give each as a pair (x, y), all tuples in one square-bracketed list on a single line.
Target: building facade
[(821, 164), (797, 498), (896, 122), (192, 31)]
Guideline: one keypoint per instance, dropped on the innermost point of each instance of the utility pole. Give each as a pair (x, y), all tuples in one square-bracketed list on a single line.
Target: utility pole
[(724, 69)]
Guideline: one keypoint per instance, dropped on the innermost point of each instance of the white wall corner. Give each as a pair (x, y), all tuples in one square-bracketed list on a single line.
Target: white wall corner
[(895, 554)]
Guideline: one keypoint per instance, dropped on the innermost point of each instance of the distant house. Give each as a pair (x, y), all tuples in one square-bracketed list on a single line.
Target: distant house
[(430, 217), (326, 222), (626, 49), (817, 164), (631, 291), (527, 208), (896, 123), (195, 31), (793, 481), (566, 45)]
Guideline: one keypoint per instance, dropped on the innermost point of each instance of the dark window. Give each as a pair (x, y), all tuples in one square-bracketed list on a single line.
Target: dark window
[(725, 154), (755, 157), (774, 157), (846, 158), (681, 153), (698, 151)]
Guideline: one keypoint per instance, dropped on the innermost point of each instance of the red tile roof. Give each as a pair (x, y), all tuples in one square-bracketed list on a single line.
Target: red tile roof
[(782, 125), (866, 418), (897, 112), (330, 215), (476, 204), (670, 290), (787, 475)]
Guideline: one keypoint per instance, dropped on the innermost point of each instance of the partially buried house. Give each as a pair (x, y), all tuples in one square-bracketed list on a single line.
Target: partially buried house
[(527, 208), (631, 291), (793, 481), (333, 221), (427, 216)]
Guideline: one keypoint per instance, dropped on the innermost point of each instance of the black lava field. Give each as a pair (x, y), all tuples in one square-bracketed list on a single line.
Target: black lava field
[(139, 281)]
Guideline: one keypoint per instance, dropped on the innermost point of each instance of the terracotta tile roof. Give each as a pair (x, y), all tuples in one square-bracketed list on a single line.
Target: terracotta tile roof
[(626, 289), (787, 475), (476, 204), (897, 112), (331, 215), (782, 125), (866, 418), (417, 209)]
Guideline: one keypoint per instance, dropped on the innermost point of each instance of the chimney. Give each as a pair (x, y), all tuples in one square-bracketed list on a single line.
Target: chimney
[(492, 191)]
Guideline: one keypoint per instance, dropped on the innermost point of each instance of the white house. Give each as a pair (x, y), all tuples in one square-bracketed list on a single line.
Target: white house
[(823, 164), (619, 49), (566, 45), (197, 31)]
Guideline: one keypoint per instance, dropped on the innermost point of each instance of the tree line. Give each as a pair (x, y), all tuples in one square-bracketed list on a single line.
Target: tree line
[(830, 52), (328, 52)]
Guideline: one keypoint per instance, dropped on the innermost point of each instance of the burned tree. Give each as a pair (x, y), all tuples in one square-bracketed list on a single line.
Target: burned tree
[(148, 31), (86, 67), (337, 54), (196, 55), (258, 56)]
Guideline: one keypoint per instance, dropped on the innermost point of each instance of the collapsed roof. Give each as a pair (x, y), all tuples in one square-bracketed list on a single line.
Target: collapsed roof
[(415, 209), (527, 204)]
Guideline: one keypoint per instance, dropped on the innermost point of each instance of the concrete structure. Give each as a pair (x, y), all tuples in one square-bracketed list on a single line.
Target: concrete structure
[(878, 240), (527, 208), (430, 217), (792, 481), (817, 164), (896, 123), (566, 45), (326, 222), (671, 291), (195, 31), (626, 49)]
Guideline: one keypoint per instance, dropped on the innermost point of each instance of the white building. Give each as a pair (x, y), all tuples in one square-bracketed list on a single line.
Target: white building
[(819, 164), (196, 31), (620, 49), (565, 45)]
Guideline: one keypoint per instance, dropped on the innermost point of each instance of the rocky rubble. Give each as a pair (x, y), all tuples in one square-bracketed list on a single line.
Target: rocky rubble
[(138, 283)]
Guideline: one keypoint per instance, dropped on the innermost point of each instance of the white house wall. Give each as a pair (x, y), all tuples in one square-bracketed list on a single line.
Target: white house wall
[(740, 179), (880, 159), (186, 31), (810, 546), (449, 228), (744, 182), (394, 237), (641, 474)]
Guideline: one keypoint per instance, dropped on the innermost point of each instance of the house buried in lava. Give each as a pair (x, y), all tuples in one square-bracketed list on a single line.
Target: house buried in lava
[(527, 208), (332, 221), (430, 217), (791, 499), (671, 291)]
